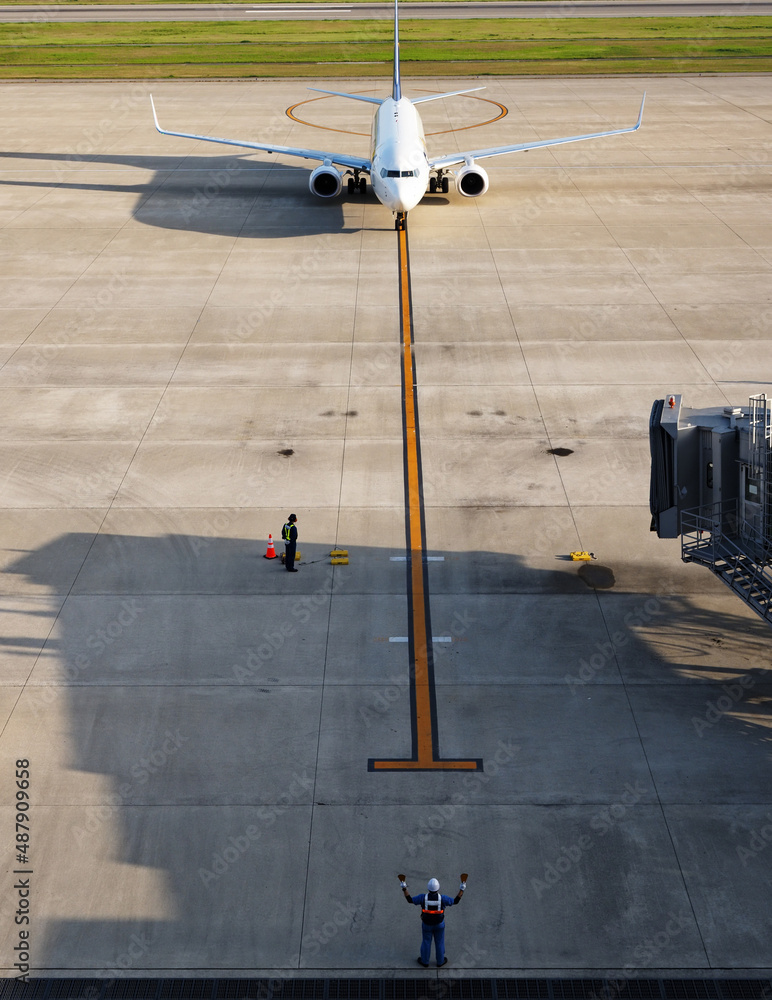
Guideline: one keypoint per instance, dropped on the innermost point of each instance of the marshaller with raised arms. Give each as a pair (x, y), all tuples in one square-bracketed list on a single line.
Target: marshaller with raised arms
[(399, 166)]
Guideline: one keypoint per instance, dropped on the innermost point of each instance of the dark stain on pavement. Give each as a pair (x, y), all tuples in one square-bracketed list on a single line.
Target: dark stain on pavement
[(596, 576)]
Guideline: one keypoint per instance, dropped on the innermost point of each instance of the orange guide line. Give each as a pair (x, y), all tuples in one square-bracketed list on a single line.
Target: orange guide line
[(425, 740)]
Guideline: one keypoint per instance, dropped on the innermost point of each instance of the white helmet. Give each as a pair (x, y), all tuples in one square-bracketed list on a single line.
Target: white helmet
[(434, 885)]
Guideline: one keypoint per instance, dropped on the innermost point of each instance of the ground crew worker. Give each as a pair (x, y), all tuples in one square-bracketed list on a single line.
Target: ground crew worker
[(433, 907), (290, 535)]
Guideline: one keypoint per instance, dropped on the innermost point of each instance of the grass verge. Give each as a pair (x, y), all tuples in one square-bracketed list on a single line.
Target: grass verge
[(548, 46)]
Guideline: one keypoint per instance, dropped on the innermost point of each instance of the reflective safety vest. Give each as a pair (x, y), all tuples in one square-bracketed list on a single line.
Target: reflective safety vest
[(285, 531), (433, 906)]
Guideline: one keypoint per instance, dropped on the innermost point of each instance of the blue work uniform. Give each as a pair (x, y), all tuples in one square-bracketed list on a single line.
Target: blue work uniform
[(433, 906)]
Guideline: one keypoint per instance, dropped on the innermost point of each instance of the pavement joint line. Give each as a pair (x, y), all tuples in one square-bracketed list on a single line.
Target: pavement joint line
[(425, 754)]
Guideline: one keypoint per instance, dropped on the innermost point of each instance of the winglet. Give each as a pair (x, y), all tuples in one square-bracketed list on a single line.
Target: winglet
[(354, 97), (155, 116), (396, 90), (640, 113)]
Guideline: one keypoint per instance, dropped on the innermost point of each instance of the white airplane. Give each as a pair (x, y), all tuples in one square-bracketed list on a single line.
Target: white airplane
[(399, 166)]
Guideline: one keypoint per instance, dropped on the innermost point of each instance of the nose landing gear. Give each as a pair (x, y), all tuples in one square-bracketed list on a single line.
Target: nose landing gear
[(400, 222)]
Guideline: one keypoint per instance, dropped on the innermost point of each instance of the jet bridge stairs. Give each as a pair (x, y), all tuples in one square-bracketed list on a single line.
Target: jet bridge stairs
[(710, 536), (720, 457)]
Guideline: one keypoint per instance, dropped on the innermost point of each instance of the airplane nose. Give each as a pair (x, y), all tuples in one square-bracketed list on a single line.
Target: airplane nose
[(397, 201), (407, 200), (404, 194)]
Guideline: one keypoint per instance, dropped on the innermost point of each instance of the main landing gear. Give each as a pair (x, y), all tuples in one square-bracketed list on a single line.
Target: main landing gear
[(357, 183), (400, 222), (438, 183)]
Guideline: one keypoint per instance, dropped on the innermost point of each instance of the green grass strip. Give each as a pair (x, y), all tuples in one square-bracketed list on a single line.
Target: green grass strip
[(355, 48)]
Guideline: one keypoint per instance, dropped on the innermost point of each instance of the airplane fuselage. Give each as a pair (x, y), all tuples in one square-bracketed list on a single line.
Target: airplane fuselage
[(400, 169)]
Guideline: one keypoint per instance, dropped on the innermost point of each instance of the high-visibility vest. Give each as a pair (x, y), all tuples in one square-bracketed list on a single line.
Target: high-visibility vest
[(432, 905), (285, 531)]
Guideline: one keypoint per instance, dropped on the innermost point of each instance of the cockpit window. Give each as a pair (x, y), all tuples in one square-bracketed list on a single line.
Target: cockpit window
[(397, 173)]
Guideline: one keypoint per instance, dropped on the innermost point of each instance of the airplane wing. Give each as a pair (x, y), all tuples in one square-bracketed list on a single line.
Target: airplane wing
[(479, 154), (354, 162)]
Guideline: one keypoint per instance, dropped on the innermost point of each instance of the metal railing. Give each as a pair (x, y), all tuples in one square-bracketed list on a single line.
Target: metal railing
[(713, 536), (703, 528), (760, 457)]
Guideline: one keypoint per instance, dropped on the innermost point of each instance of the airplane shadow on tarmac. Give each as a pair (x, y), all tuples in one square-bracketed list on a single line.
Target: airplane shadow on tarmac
[(187, 673), (220, 195)]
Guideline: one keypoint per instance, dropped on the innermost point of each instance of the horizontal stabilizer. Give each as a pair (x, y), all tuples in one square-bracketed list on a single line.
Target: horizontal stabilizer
[(353, 97), (438, 97)]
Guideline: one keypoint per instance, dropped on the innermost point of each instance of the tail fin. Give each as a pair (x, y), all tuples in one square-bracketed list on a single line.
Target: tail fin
[(396, 90)]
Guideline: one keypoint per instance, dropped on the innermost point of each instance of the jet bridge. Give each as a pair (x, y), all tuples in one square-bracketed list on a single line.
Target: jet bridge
[(711, 485)]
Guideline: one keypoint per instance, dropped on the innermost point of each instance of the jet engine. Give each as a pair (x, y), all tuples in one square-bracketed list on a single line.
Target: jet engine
[(471, 181), (325, 182)]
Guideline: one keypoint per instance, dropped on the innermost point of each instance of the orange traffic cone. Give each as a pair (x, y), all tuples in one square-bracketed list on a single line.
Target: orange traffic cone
[(270, 551)]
